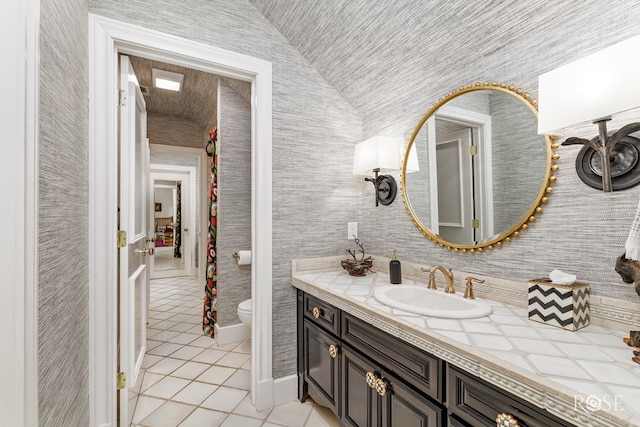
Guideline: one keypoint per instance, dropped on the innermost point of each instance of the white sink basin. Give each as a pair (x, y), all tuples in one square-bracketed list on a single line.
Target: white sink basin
[(429, 302)]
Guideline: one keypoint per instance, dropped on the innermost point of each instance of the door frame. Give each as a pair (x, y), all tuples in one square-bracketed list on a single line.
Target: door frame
[(19, 117), (108, 38), (169, 172), (482, 123)]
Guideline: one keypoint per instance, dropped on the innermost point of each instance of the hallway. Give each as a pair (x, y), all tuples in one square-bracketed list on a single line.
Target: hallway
[(191, 381)]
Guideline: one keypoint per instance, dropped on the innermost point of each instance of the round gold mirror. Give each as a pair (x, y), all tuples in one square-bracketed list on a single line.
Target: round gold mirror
[(475, 172)]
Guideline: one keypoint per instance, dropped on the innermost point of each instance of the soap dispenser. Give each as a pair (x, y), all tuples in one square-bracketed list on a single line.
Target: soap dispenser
[(395, 271)]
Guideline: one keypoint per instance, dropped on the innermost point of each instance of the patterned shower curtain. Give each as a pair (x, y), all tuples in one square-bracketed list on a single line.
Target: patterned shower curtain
[(177, 229), (210, 312)]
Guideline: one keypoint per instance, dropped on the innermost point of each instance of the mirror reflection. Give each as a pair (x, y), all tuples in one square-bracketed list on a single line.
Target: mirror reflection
[(483, 170), (166, 210)]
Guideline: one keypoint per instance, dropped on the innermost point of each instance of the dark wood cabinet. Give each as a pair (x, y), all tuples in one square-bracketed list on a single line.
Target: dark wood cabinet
[(376, 398), (474, 402), (370, 378), (322, 366), (361, 406), (319, 369), (367, 377)]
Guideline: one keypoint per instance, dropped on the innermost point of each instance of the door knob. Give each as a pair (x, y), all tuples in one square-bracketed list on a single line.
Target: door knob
[(186, 229), (145, 251)]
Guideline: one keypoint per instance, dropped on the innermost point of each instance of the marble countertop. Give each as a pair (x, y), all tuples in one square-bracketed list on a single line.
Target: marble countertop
[(586, 377)]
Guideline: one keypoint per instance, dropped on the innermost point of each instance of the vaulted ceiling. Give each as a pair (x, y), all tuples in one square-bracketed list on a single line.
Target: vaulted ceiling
[(359, 45)]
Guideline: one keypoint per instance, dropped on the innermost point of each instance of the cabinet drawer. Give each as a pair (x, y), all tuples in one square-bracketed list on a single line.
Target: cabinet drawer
[(478, 403), (420, 369), (321, 313)]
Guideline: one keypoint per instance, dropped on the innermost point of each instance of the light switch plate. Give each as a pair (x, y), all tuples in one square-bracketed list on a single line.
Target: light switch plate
[(352, 230)]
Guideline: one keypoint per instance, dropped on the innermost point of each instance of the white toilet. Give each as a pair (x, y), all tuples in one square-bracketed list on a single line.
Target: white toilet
[(244, 312)]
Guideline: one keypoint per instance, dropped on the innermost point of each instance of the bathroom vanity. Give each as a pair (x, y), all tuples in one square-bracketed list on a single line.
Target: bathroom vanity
[(373, 365)]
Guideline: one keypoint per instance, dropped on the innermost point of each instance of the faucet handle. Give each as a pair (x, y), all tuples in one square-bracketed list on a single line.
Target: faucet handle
[(432, 278), (468, 292)]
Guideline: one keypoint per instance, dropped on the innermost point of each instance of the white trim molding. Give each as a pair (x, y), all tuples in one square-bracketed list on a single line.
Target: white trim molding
[(19, 29), (108, 38)]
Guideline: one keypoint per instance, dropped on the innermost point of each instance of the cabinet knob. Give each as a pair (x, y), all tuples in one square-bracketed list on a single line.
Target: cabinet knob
[(333, 351), (506, 420), (383, 386), (371, 379), (317, 312)]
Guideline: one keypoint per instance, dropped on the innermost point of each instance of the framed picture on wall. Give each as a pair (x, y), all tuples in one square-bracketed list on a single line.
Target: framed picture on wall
[(158, 207)]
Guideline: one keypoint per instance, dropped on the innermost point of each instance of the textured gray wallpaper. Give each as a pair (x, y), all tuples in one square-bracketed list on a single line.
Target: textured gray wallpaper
[(168, 130), (234, 198), (519, 160), (314, 131), (582, 230), (63, 292), (394, 76)]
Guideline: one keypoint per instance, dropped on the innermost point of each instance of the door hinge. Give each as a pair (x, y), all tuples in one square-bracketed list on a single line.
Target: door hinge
[(122, 238), (473, 150), (475, 223), (122, 99), (121, 380)]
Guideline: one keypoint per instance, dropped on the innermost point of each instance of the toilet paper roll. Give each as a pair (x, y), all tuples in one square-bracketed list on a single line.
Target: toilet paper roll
[(244, 257)]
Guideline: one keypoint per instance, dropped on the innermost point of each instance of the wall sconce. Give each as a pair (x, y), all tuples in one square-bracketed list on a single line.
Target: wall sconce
[(593, 89), (382, 154)]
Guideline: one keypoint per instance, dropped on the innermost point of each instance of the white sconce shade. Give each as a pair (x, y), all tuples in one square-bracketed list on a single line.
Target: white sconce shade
[(382, 153), (378, 152), (592, 88), (412, 163)]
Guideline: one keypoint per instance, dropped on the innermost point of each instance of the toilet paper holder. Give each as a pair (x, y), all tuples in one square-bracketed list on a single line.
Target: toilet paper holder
[(242, 257)]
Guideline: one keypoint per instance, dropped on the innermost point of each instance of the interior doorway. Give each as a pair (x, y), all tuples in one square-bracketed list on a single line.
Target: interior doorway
[(174, 227), (109, 38)]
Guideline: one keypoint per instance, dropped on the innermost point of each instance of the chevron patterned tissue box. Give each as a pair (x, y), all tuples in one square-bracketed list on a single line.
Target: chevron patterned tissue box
[(564, 306)]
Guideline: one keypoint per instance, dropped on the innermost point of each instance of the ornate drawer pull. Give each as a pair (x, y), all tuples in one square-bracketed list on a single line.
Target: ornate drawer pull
[(317, 312), (333, 351), (506, 420), (382, 386), (371, 379)]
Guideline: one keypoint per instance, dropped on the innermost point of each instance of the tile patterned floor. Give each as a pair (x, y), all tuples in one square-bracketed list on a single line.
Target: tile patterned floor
[(191, 381), (164, 260)]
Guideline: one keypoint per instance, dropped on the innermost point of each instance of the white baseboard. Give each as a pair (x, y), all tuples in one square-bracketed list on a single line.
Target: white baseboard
[(285, 389), (232, 333)]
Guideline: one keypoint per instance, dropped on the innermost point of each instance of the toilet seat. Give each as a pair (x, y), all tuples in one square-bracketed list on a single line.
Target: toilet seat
[(245, 306)]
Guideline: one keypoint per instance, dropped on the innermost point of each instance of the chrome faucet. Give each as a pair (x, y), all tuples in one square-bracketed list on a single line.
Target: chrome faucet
[(448, 274)]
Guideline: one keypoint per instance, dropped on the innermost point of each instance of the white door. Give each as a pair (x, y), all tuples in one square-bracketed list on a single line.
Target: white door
[(133, 274), (174, 246), (455, 186)]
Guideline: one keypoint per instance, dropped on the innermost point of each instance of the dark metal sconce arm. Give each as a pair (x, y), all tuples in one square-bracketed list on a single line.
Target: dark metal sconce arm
[(385, 187), (603, 145)]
